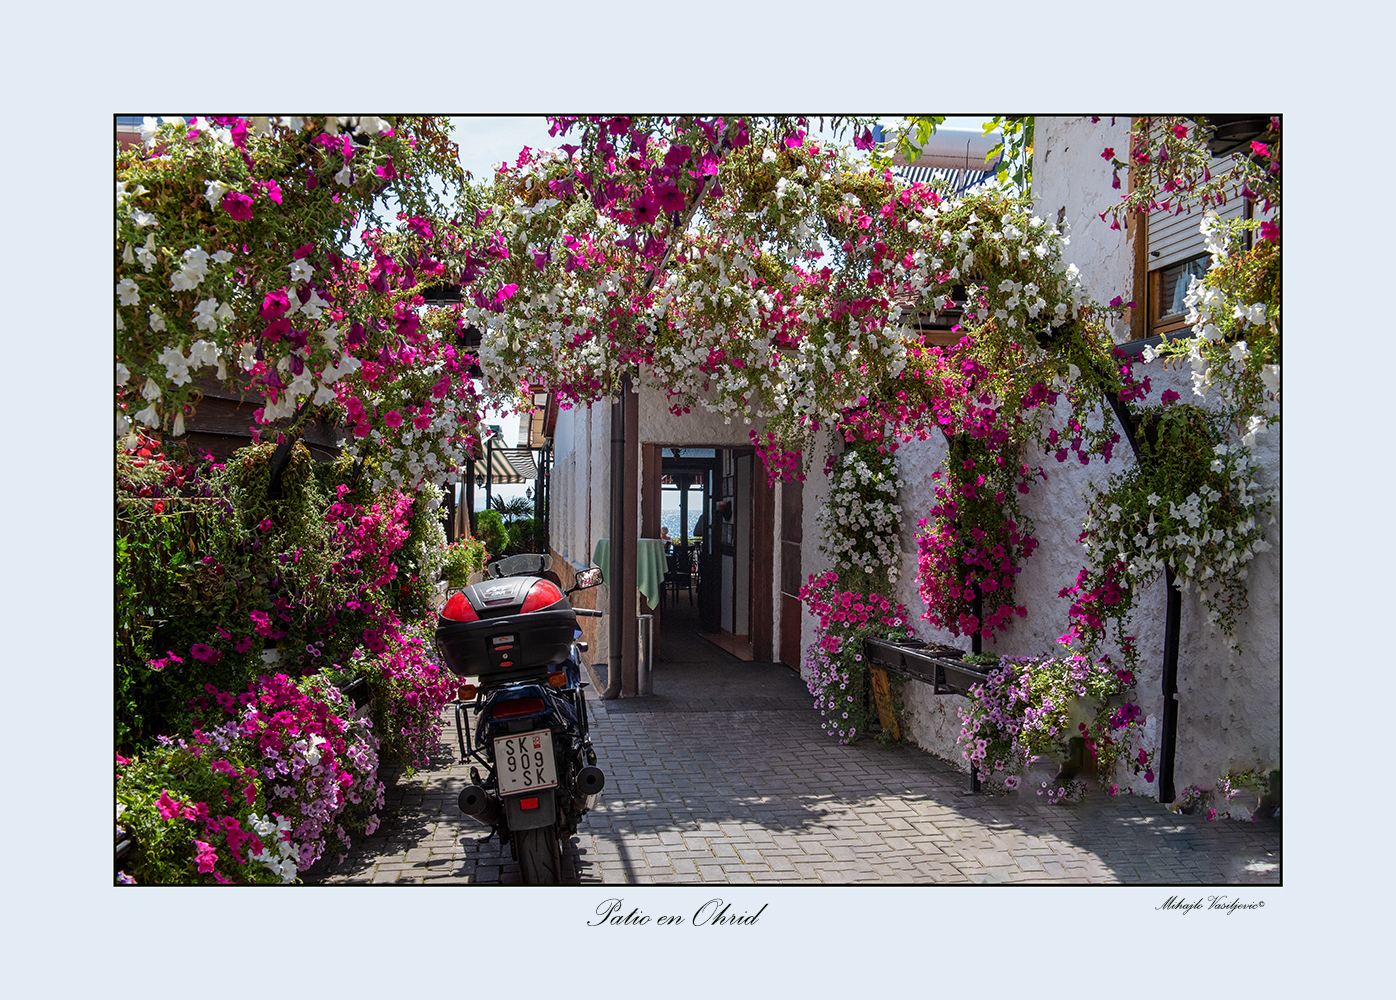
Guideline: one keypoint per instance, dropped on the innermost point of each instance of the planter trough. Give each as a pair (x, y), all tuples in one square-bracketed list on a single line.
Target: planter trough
[(939, 666)]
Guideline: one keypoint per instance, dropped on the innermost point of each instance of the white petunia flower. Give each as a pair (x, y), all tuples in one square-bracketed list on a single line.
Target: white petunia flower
[(127, 292), (157, 322), (150, 416), (201, 352), (142, 218), (146, 254), (301, 271), (214, 191), (204, 317)]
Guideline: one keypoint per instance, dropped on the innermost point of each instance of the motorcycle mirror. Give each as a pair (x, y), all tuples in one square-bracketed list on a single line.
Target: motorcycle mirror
[(587, 579)]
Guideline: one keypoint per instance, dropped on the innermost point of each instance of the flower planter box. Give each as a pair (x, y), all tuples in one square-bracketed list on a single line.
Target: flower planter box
[(356, 690), (938, 666)]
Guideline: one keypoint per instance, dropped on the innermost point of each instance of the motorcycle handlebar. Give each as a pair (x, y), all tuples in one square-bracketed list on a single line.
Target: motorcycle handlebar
[(587, 613)]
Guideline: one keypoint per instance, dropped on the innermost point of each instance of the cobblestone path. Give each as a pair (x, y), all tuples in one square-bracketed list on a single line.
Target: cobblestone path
[(701, 791)]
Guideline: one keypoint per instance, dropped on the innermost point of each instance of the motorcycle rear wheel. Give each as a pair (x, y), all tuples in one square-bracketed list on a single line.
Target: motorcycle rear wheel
[(540, 855)]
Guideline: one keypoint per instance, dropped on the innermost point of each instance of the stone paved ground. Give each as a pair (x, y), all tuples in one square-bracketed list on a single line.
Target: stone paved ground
[(705, 788)]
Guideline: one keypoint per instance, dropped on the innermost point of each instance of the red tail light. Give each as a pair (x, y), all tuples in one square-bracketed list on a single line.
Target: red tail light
[(529, 803), (540, 595), (516, 707), (459, 609)]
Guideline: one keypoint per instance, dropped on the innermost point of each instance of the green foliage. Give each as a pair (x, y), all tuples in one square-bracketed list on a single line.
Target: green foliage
[(1016, 148), (212, 572), (489, 528), (917, 131), (1191, 503), (460, 560), (164, 851)]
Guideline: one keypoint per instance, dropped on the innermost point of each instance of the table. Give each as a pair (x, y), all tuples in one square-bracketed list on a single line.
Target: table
[(650, 566)]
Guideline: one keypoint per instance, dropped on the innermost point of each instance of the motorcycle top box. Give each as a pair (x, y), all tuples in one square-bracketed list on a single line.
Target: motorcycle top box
[(506, 630)]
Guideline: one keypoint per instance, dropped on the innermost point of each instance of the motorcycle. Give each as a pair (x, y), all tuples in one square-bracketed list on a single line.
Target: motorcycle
[(516, 633)]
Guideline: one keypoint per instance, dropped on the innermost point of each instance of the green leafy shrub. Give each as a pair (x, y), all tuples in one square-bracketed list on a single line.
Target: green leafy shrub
[(489, 528)]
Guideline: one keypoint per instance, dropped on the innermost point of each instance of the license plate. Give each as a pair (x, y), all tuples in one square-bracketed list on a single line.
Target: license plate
[(524, 762)]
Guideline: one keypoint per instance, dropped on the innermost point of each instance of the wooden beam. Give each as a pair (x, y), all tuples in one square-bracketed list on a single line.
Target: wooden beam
[(1137, 229), (652, 462), (761, 626), (628, 576)]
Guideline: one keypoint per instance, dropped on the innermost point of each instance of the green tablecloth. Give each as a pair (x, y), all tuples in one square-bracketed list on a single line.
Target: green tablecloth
[(650, 566)]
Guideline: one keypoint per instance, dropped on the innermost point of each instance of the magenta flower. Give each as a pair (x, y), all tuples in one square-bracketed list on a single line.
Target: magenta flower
[(205, 855), (669, 197), (1270, 231), (1108, 153), (393, 419), (237, 205), (167, 807)]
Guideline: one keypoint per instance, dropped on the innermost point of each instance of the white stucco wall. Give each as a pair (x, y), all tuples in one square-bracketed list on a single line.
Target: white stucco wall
[(1229, 703), (1072, 181)]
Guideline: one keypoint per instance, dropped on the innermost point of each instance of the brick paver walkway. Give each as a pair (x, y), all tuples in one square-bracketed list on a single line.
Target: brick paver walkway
[(699, 791)]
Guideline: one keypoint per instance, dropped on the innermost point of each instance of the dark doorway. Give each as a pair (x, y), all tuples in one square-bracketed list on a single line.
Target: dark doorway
[(709, 593)]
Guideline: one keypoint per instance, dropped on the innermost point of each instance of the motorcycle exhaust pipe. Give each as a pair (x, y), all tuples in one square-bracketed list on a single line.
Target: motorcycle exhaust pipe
[(476, 803), (590, 780)]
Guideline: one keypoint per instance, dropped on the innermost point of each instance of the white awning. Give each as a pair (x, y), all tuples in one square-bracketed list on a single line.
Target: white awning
[(508, 466)]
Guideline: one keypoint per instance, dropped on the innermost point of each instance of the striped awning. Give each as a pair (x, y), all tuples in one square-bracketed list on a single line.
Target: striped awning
[(508, 467)]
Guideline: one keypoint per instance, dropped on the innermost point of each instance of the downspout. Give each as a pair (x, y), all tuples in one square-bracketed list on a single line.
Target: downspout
[(1173, 614), (618, 602)]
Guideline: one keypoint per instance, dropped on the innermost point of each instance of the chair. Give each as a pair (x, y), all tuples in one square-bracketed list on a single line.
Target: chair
[(670, 576), (681, 571)]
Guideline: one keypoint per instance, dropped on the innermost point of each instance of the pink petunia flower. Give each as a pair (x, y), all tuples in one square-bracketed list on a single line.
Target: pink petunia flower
[(237, 205)]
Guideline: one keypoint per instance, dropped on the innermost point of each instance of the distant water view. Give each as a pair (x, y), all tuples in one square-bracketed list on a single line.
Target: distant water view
[(669, 515)]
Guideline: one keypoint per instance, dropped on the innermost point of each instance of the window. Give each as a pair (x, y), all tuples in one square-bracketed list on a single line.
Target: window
[(1167, 291)]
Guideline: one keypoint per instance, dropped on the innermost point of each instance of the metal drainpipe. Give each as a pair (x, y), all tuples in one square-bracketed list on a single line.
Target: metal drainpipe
[(618, 604), (1172, 631), (1169, 736)]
